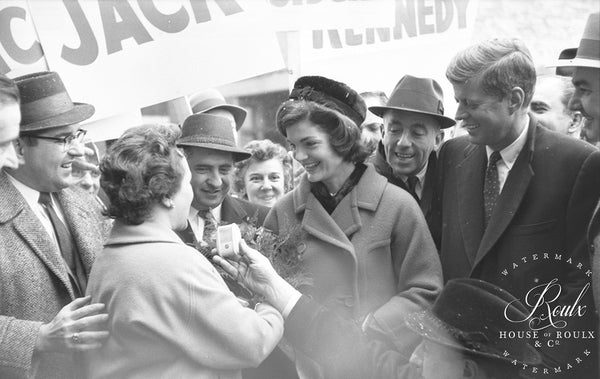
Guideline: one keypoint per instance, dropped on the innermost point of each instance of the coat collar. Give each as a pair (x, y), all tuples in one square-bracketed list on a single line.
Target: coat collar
[(337, 228), (147, 232), (232, 211)]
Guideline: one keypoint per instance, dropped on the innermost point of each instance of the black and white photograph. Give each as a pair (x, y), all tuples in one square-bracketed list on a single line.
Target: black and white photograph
[(299, 189)]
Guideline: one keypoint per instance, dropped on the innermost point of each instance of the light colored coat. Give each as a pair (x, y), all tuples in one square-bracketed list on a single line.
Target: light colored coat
[(34, 283), (374, 253), (170, 313)]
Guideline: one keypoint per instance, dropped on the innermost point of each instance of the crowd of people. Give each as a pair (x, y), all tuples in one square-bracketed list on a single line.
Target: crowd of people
[(426, 241)]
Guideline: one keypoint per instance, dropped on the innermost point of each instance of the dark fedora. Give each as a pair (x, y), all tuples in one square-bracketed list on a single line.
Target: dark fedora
[(417, 95), (326, 91), (210, 132), (210, 99), (588, 52), (45, 103), (469, 315)]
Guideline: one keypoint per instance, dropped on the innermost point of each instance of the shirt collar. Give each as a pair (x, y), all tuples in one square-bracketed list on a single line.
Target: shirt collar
[(420, 175), (216, 212), (30, 195), (510, 153)]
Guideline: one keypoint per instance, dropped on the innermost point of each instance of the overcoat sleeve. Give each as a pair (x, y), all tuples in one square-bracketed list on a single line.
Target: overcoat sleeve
[(339, 345), (17, 343), (417, 268)]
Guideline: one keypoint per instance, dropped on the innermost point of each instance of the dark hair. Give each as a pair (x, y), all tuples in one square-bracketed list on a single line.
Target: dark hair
[(344, 134), (140, 169), (9, 92), (502, 64), (263, 150)]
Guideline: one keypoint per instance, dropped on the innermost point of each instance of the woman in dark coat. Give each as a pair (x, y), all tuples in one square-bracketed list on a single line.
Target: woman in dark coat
[(368, 250)]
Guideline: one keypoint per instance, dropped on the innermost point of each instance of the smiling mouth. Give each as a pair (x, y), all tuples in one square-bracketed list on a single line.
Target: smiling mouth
[(470, 127), (310, 166), (67, 165), (404, 155)]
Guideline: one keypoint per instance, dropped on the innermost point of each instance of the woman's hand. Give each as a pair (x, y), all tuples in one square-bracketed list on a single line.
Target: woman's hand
[(255, 272)]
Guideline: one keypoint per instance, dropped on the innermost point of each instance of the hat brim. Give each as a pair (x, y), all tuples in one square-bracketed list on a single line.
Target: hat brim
[(577, 62), (239, 114), (238, 154), (445, 122), (80, 112), (433, 329)]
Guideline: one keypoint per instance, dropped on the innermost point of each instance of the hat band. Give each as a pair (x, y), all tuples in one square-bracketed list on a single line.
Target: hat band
[(310, 94), (208, 140), (589, 49), (45, 108)]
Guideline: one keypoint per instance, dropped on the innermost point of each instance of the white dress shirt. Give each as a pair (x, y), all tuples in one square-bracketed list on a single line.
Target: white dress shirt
[(509, 155)]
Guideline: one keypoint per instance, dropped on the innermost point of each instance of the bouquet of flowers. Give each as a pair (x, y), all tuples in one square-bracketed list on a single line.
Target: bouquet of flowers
[(284, 250)]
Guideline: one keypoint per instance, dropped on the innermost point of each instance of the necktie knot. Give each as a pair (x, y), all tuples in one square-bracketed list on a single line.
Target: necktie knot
[(412, 182), (45, 199), (494, 158)]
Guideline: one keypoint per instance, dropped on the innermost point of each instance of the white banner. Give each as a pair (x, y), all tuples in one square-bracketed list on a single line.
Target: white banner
[(122, 55)]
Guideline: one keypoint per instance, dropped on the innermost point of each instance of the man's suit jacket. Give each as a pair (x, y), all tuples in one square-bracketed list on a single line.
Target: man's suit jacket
[(233, 211), (544, 208), (383, 168), (34, 283)]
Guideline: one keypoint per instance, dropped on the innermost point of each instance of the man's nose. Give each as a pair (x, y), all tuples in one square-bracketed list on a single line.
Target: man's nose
[(461, 113), (215, 178), (575, 102), (8, 158)]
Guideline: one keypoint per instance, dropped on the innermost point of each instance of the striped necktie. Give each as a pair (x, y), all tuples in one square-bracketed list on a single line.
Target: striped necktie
[(491, 188)]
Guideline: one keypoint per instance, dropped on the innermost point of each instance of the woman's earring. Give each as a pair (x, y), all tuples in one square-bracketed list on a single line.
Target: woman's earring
[(170, 204)]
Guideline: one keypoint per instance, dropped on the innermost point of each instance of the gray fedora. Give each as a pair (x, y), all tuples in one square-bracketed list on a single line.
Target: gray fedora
[(45, 103), (417, 95), (588, 52), (210, 99), (210, 132)]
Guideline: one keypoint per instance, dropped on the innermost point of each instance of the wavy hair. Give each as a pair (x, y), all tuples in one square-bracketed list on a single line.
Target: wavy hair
[(344, 134), (501, 63), (263, 150), (140, 169)]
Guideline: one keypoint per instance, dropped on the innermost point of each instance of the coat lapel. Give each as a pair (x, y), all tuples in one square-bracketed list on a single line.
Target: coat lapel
[(232, 212), (511, 196), (31, 230), (337, 228), (427, 194), (470, 198)]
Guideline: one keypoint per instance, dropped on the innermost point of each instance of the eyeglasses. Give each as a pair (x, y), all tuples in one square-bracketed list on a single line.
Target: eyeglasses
[(66, 141)]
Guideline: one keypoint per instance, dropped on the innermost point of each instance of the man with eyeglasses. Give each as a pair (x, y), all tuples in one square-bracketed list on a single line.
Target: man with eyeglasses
[(49, 235)]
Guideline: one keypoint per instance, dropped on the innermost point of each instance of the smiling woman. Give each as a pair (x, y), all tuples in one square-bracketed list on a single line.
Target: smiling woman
[(361, 231)]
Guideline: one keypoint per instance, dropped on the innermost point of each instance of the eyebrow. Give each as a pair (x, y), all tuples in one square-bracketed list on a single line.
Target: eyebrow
[(579, 82)]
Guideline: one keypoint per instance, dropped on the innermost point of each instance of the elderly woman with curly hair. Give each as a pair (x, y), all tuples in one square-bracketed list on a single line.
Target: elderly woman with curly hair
[(266, 176), (367, 247), (171, 314)]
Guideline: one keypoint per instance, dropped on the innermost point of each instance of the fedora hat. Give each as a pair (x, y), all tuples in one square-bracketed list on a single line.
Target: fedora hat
[(417, 95), (45, 103), (565, 56), (325, 91), (588, 52), (469, 315), (210, 132), (210, 99)]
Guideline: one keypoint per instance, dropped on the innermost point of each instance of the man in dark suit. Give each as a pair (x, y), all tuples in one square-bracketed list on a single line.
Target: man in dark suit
[(413, 119), (512, 198), (49, 236)]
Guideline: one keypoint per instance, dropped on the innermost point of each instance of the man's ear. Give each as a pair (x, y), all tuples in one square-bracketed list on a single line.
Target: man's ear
[(516, 99), (439, 138), (470, 369), (20, 150)]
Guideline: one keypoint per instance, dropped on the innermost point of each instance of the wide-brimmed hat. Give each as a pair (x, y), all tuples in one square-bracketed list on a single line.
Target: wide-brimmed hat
[(325, 91), (45, 103), (588, 52), (210, 132), (469, 315), (210, 99), (417, 95)]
